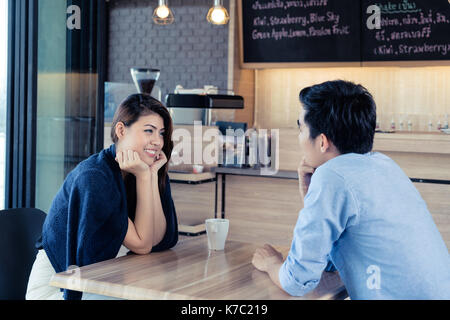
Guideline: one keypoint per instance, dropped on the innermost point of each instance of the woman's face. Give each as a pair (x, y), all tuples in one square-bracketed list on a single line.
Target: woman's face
[(145, 136)]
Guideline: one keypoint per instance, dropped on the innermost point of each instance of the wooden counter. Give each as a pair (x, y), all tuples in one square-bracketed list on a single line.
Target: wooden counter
[(421, 155), (415, 142)]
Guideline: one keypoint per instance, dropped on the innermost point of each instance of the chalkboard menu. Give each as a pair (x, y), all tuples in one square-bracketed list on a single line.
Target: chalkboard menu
[(408, 30), (301, 31), (277, 31)]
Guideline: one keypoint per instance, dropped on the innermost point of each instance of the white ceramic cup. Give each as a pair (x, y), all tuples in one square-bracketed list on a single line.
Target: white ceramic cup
[(217, 231)]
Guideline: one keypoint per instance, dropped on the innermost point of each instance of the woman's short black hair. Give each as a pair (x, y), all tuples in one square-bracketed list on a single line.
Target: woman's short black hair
[(344, 112)]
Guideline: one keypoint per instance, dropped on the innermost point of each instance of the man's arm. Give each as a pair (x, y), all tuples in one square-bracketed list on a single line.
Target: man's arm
[(269, 260), (329, 209)]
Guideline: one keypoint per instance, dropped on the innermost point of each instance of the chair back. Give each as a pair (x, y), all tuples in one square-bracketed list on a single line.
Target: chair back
[(19, 230)]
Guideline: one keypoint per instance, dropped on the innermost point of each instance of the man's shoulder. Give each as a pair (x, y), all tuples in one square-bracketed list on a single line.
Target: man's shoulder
[(329, 176), (350, 168), (351, 162)]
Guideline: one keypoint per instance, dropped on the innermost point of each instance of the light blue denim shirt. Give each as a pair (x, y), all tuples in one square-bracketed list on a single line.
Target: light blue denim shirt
[(363, 214)]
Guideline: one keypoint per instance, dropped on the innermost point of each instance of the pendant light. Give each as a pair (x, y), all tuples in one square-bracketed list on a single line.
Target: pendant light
[(217, 14), (162, 14)]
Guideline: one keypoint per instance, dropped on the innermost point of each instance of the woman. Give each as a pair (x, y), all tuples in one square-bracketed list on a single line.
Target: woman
[(118, 197)]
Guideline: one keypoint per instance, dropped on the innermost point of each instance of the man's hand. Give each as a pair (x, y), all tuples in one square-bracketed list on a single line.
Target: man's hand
[(305, 173), (265, 258), (269, 260)]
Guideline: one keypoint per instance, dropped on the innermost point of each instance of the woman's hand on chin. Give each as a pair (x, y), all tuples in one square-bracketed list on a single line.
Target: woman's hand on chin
[(160, 161), (130, 161)]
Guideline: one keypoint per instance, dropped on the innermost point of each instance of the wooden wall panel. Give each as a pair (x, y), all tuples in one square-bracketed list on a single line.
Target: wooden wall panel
[(417, 93), (430, 159)]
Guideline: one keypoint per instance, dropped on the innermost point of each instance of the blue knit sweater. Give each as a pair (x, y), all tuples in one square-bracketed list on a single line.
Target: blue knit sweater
[(88, 218)]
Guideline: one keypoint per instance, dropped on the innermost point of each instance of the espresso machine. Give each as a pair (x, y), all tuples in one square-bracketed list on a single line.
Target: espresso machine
[(200, 102)]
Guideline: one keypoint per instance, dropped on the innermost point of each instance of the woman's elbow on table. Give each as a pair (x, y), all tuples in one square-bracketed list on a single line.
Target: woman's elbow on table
[(141, 251), (138, 247), (133, 242)]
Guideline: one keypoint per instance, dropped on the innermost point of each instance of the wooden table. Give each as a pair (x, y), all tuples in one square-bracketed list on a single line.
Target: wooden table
[(188, 271)]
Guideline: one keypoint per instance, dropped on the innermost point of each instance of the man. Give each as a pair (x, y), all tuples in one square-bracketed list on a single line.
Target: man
[(361, 213)]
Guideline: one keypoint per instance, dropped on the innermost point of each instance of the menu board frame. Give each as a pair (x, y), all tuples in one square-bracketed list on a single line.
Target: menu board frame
[(361, 63), (267, 65)]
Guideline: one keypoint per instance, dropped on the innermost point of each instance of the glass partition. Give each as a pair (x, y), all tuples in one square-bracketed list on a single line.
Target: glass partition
[(67, 92), (3, 73)]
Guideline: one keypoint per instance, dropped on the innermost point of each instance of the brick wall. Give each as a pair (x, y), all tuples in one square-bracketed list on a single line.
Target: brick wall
[(190, 52)]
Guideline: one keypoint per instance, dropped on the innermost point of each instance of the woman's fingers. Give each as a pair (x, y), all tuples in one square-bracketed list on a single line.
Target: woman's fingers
[(136, 156), (119, 157), (162, 156), (160, 161), (130, 161), (130, 155), (127, 158)]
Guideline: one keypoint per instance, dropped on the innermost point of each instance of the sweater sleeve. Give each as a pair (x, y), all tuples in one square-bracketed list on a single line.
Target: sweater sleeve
[(97, 232), (170, 238), (97, 223)]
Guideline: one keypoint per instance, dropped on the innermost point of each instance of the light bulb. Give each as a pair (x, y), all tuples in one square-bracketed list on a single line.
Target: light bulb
[(162, 12), (218, 16), (162, 15)]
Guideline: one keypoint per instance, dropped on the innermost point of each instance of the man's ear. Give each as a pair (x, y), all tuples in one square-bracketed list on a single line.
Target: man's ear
[(120, 130), (325, 144)]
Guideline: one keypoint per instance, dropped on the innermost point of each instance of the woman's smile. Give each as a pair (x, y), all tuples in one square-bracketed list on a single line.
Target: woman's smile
[(151, 152)]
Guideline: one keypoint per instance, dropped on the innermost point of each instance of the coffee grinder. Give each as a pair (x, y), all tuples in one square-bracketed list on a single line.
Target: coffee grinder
[(144, 79)]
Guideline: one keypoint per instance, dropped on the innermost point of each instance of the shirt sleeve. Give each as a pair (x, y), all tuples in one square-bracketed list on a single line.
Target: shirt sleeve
[(329, 209)]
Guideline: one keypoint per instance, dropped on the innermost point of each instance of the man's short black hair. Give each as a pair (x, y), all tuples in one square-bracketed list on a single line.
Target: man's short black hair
[(344, 112)]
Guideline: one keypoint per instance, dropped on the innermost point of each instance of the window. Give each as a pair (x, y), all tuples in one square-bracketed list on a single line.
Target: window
[(67, 86), (3, 74)]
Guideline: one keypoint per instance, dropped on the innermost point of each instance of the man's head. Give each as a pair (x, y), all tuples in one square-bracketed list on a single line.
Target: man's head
[(338, 117)]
